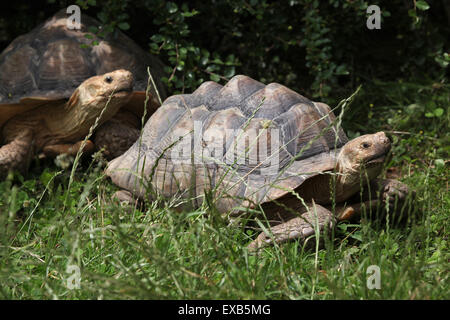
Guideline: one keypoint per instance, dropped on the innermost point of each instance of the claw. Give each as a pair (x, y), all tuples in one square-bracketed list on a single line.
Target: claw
[(123, 196), (296, 228), (395, 189)]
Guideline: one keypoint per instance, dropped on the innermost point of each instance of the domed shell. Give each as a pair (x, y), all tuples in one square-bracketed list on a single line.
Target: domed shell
[(51, 61), (245, 142)]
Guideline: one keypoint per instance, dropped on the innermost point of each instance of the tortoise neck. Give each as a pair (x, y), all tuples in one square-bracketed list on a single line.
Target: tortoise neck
[(347, 181), (68, 123), (74, 122)]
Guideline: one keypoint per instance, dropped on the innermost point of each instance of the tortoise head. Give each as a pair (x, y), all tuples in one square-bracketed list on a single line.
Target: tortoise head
[(113, 90), (366, 152)]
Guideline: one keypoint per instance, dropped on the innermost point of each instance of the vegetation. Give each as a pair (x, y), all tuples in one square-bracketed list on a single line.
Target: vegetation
[(52, 218)]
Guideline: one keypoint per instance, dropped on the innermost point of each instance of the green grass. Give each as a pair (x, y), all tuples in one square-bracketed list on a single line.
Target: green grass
[(155, 252)]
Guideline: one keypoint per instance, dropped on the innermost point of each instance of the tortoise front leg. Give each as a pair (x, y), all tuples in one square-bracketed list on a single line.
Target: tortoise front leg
[(117, 135), (383, 194), (70, 149), (17, 154), (350, 212), (300, 227), (387, 189)]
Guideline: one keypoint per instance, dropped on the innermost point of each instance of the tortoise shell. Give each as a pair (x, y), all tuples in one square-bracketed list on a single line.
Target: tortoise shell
[(50, 62), (246, 142)]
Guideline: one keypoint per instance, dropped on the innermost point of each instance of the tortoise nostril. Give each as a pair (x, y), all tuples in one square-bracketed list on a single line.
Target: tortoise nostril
[(383, 138)]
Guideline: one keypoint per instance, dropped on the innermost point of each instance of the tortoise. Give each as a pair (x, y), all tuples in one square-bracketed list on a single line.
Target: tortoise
[(60, 127), (251, 145), (46, 65)]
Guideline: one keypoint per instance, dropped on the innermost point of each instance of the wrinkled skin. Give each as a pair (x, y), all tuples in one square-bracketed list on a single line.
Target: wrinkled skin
[(54, 129)]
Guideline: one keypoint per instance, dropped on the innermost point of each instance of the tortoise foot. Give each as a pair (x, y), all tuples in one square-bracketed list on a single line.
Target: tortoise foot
[(123, 196), (296, 228), (52, 151), (395, 193), (392, 189)]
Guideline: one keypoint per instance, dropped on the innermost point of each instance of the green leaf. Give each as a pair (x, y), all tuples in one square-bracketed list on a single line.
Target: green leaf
[(204, 61), (214, 77), (154, 46), (439, 163), (171, 7), (412, 13), (102, 17), (124, 26), (190, 75), (45, 177), (229, 72), (438, 112), (190, 14), (92, 29), (357, 235), (184, 32), (108, 28), (422, 5), (157, 38), (183, 51), (341, 70)]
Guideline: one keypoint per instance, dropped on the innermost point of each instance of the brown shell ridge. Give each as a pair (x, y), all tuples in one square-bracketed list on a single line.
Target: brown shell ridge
[(235, 91), (271, 101)]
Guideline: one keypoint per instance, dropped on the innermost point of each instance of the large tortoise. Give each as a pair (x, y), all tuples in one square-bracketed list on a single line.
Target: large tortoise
[(46, 65), (252, 145)]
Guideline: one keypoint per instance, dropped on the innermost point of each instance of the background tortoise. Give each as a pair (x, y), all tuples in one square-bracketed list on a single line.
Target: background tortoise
[(50, 62), (61, 126), (214, 140)]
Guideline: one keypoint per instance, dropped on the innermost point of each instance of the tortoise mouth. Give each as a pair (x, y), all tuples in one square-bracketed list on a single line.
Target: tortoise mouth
[(122, 92), (376, 159), (125, 89)]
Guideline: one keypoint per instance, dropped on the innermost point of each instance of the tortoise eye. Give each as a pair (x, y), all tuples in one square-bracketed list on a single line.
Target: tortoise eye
[(365, 145), (108, 79)]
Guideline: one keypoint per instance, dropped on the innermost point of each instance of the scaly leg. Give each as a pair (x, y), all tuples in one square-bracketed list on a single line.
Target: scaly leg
[(118, 134), (123, 196), (375, 195), (70, 149), (17, 154), (300, 227)]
